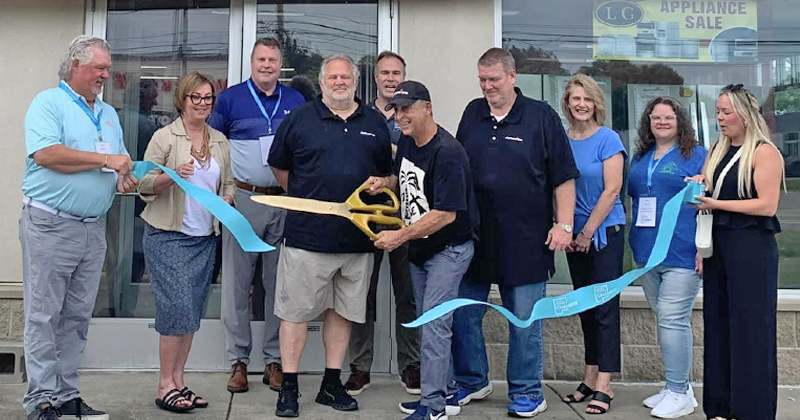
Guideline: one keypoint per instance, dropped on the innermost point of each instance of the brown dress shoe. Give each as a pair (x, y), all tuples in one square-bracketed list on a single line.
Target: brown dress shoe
[(357, 382), (410, 380), (238, 381), (273, 376)]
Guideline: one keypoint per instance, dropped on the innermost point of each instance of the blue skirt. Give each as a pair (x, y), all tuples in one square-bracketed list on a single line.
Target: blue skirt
[(181, 269)]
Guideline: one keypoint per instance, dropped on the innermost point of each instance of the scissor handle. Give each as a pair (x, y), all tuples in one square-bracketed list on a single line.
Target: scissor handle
[(354, 202), (362, 220)]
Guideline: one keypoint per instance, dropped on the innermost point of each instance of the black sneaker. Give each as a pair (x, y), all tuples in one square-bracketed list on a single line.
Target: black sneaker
[(336, 396), (77, 409), (287, 402), (44, 411)]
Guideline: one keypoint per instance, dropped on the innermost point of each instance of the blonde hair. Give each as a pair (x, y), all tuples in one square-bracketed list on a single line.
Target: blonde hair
[(594, 93), (745, 106)]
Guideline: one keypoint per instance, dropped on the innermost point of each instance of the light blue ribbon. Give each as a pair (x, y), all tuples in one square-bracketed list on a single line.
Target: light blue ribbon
[(239, 227), (587, 297)]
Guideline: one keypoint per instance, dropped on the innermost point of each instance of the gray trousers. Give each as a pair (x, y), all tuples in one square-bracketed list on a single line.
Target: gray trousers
[(362, 336), (61, 264), (237, 275), (436, 281)]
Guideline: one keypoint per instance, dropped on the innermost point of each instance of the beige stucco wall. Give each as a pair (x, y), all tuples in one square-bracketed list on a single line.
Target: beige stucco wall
[(441, 42), (33, 34)]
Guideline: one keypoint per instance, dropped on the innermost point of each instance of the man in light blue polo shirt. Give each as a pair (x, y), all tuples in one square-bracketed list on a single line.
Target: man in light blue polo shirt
[(75, 163), (249, 115)]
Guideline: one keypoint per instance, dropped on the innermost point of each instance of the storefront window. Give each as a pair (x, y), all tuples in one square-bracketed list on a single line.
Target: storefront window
[(153, 44), (312, 30), (685, 49)]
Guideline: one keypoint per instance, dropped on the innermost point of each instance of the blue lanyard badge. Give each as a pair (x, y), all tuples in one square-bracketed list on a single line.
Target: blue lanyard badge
[(88, 111), (269, 117), (653, 164)]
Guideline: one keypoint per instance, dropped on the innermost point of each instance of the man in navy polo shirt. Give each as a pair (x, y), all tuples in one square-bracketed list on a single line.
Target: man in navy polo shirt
[(524, 175), (324, 151), (249, 114), (432, 173), (390, 70)]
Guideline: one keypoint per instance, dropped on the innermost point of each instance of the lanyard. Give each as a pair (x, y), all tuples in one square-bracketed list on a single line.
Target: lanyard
[(261, 106), (651, 167), (88, 111)]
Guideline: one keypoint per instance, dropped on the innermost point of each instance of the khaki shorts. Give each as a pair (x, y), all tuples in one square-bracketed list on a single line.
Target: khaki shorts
[(308, 283)]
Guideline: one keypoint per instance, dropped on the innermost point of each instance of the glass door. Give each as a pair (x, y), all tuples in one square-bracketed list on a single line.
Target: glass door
[(154, 43)]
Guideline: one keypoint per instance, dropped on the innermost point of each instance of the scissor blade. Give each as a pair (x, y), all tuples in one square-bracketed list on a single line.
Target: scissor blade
[(303, 204)]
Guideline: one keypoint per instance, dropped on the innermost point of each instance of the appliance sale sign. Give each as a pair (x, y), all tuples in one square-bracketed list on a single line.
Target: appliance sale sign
[(682, 31)]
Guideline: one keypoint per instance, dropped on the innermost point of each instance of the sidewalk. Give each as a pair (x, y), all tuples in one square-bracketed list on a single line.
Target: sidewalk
[(129, 396)]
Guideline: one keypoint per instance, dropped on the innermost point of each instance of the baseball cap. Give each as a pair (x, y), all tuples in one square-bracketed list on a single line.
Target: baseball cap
[(407, 93)]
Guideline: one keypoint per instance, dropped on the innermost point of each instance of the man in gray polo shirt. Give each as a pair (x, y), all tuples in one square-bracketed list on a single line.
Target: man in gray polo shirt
[(76, 160)]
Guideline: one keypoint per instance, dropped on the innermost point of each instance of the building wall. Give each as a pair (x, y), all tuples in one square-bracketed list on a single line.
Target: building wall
[(441, 42), (34, 34), (641, 355)]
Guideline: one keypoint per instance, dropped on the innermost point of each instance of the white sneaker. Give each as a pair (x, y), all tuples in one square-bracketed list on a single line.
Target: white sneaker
[(674, 405), (653, 400)]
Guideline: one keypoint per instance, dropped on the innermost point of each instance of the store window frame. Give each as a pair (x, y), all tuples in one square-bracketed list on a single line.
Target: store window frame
[(633, 296)]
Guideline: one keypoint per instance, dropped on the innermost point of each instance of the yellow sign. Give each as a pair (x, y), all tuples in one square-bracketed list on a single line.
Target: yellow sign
[(684, 31)]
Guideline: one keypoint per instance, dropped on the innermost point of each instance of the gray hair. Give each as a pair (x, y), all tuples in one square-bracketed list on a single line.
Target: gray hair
[(81, 49), (342, 57), (494, 56)]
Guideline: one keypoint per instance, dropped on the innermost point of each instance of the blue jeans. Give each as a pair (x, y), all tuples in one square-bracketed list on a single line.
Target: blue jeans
[(436, 281), (525, 367), (671, 292)]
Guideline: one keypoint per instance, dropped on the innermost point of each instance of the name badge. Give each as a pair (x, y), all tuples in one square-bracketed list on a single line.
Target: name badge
[(266, 143), (103, 147), (647, 212)]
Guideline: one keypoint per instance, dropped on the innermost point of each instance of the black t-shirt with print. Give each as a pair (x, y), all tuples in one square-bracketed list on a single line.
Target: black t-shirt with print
[(435, 177)]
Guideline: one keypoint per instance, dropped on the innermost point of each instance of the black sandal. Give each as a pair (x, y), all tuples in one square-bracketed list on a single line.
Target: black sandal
[(583, 389), (171, 400), (192, 398), (602, 397)]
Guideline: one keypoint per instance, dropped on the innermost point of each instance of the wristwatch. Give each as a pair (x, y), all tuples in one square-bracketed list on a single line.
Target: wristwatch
[(567, 228)]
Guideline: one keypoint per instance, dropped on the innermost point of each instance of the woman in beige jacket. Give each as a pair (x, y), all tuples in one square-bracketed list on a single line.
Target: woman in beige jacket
[(179, 238)]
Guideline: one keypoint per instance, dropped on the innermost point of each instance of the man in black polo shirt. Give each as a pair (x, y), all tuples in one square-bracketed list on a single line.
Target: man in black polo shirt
[(524, 173), (439, 209), (390, 70), (324, 150)]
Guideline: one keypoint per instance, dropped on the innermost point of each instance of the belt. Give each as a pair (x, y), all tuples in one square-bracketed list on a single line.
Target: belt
[(260, 190), (45, 208)]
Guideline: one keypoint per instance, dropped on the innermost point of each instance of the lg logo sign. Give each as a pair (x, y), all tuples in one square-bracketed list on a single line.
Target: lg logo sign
[(619, 13)]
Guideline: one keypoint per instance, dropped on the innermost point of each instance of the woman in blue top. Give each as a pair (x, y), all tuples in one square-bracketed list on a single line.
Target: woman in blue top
[(667, 153), (596, 252)]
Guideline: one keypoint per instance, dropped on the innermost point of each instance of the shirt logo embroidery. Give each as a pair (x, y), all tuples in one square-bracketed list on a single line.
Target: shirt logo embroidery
[(110, 124), (670, 168), (367, 133), (287, 111), (517, 139)]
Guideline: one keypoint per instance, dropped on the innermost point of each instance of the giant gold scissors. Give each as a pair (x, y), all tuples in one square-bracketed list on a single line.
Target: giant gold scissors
[(353, 209)]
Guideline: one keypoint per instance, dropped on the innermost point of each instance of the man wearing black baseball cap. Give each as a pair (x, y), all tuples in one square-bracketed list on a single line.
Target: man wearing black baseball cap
[(432, 175)]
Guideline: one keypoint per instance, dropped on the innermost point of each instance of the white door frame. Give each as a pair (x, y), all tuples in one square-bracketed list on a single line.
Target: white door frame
[(132, 343)]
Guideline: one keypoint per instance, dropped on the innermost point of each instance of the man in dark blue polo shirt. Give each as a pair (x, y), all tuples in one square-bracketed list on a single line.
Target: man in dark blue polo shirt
[(324, 151), (249, 114), (438, 206), (524, 175), (390, 70)]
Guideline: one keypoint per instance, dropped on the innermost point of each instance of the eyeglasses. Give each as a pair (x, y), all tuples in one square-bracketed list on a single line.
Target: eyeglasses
[(196, 99), (657, 118), (733, 88)]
